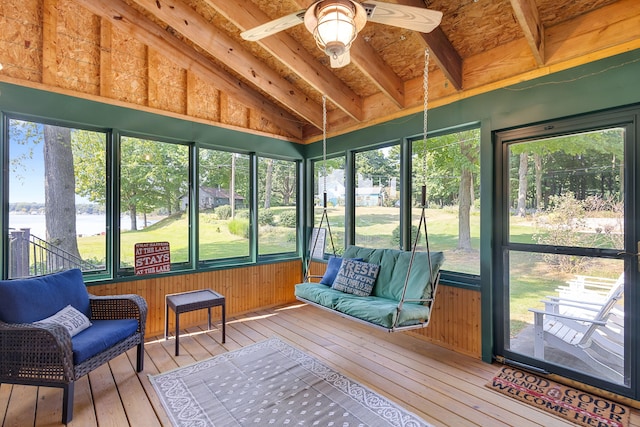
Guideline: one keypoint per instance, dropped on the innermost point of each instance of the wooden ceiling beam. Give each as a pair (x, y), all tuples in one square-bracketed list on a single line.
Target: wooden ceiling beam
[(232, 54), (369, 62), (245, 15), (130, 21), (527, 13), (443, 52)]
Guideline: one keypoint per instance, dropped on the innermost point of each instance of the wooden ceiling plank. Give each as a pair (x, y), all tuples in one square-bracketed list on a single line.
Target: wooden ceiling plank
[(527, 13), (130, 21), (245, 15), (215, 42), (443, 52), (106, 74), (49, 41), (613, 25)]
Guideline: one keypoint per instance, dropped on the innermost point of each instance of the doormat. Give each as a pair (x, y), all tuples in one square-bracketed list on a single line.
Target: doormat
[(272, 383), (574, 405)]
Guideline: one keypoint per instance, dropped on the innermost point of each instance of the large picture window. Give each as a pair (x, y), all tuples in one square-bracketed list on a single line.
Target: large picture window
[(223, 205), (57, 196), (329, 178), (277, 213), (449, 165), (154, 182), (377, 198)]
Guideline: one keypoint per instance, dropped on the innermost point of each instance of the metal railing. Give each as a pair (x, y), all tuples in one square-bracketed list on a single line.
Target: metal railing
[(30, 255)]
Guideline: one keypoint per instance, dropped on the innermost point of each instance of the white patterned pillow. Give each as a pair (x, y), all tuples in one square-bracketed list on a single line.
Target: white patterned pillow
[(356, 277), (70, 318)]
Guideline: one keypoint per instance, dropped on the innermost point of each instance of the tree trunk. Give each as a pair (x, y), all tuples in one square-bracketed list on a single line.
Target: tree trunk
[(522, 184), (232, 186), (133, 216), (60, 194), (537, 161), (268, 184), (464, 211)]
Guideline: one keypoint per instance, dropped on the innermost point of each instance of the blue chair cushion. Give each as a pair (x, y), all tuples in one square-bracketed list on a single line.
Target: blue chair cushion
[(102, 335), (32, 299)]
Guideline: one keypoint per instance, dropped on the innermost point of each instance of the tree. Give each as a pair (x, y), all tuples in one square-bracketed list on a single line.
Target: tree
[(285, 181), (60, 193), (451, 166), (268, 183), (522, 184), (568, 163)]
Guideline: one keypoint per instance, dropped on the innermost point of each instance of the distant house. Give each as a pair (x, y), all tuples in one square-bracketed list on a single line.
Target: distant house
[(211, 198), (368, 196)]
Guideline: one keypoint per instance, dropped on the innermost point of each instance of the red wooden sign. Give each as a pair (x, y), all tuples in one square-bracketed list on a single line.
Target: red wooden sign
[(152, 258)]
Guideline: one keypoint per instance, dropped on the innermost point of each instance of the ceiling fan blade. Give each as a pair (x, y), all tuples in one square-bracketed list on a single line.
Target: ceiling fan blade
[(341, 60), (409, 17), (272, 27)]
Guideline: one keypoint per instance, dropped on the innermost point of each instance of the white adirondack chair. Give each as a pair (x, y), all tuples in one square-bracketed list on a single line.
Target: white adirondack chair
[(592, 330)]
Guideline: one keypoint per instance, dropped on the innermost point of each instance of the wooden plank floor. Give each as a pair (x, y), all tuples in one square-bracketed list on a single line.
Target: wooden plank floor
[(441, 386)]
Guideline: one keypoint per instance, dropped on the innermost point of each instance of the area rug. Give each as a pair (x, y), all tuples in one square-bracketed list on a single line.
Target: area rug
[(581, 408), (272, 383)]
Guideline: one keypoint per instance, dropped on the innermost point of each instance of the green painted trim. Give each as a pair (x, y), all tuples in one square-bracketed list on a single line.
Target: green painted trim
[(41, 105)]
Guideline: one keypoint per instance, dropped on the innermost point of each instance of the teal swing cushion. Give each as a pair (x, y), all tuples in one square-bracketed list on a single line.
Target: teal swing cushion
[(381, 306)]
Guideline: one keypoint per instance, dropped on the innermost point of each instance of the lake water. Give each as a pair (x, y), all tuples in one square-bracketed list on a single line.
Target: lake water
[(86, 225)]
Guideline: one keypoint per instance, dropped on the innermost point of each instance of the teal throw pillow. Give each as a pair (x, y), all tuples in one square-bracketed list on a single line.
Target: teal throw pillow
[(356, 277)]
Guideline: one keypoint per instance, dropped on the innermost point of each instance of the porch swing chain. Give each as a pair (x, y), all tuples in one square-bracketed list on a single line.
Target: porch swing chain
[(324, 191), (423, 221), (324, 172)]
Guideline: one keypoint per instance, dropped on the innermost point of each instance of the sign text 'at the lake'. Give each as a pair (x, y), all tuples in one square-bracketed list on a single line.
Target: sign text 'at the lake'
[(151, 258)]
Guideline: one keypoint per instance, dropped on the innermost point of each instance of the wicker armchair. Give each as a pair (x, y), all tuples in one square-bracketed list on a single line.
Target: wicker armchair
[(45, 354)]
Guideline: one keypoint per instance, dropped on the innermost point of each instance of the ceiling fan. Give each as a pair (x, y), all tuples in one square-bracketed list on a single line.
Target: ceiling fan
[(336, 23)]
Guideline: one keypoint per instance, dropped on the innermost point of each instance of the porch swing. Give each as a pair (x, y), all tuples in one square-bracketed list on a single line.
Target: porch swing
[(401, 295)]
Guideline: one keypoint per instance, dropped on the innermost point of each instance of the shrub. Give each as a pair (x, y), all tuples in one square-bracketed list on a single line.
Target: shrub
[(265, 217), (288, 219), (223, 212), (239, 227), (395, 235)]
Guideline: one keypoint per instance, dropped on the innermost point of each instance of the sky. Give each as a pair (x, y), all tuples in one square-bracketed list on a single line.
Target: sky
[(26, 177)]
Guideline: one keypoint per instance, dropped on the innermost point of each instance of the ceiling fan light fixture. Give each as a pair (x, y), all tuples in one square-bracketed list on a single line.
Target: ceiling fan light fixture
[(335, 25)]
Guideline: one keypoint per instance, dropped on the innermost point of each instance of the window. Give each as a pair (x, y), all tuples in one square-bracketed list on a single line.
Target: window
[(449, 165), (223, 208), (329, 178), (277, 213), (57, 196), (154, 178), (377, 198)]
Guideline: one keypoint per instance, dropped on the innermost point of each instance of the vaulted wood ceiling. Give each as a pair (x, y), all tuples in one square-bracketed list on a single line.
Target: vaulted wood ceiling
[(480, 45)]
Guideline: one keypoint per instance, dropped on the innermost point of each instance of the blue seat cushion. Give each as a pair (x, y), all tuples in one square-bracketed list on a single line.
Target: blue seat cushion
[(102, 335), (36, 298)]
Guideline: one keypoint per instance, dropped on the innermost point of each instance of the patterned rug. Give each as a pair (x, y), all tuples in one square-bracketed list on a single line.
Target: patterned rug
[(272, 383), (580, 408)]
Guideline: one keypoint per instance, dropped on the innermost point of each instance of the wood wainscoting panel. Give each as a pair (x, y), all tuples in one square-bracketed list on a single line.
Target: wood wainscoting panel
[(245, 288), (456, 321)]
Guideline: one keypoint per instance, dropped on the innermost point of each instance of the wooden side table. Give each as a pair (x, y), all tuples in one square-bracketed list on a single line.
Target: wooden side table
[(190, 301)]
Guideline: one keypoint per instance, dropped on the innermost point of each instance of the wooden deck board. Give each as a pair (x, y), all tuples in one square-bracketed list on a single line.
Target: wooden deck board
[(443, 387)]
